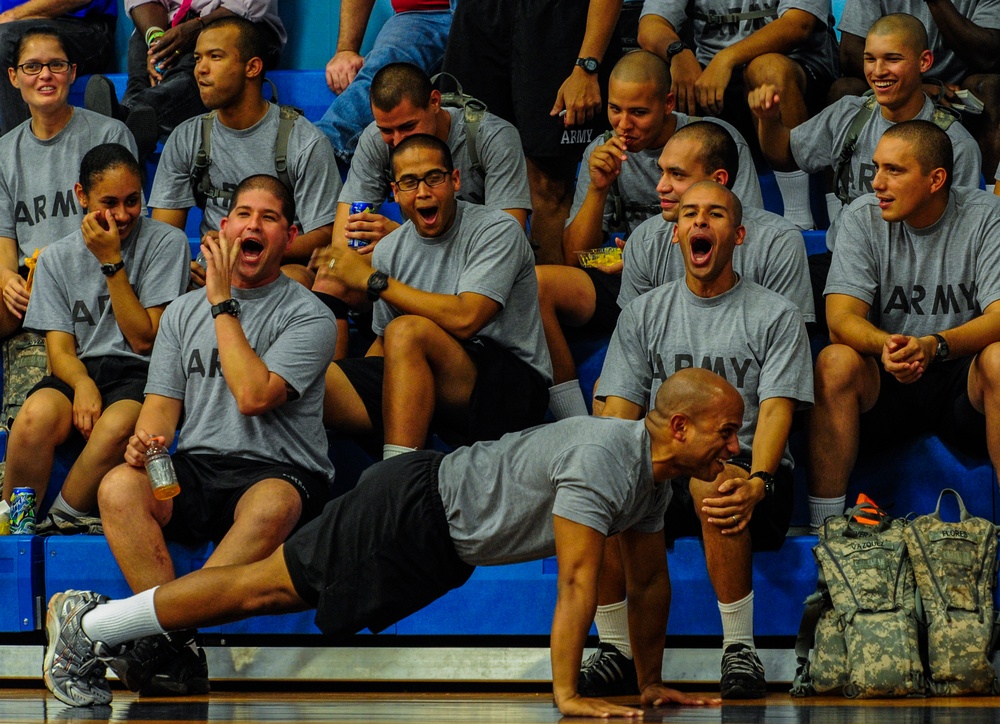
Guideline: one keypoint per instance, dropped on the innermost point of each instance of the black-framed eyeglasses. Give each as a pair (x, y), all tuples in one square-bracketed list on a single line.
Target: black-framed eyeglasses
[(33, 68), (431, 178)]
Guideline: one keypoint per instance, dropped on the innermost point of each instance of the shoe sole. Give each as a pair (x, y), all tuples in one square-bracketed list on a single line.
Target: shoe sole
[(53, 632), (740, 693)]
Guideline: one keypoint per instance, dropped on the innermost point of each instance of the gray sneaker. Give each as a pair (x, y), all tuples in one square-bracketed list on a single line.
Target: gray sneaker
[(73, 669)]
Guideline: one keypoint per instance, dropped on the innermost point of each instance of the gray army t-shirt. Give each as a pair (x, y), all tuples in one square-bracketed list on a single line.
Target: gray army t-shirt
[(484, 252), (640, 175), (749, 335), (37, 203), (292, 332), (773, 255), (858, 15), (500, 496), (312, 168), (818, 51), (70, 294), (503, 183), (920, 281), (816, 144)]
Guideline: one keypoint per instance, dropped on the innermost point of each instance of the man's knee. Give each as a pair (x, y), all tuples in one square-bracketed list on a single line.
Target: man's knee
[(410, 333), (775, 69), (550, 182), (839, 370), (123, 491), (987, 367), (843, 87), (272, 506)]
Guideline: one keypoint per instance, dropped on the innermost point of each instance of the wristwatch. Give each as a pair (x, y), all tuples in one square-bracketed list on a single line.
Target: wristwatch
[(768, 481), (590, 65), (675, 48), (230, 307), (109, 270), (941, 354), (377, 284)]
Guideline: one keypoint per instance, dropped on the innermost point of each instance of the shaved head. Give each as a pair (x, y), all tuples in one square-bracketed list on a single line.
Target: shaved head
[(641, 66), (692, 392), (903, 26)]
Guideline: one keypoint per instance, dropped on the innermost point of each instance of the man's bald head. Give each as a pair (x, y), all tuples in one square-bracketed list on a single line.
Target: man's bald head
[(641, 66), (694, 393), (904, 26)]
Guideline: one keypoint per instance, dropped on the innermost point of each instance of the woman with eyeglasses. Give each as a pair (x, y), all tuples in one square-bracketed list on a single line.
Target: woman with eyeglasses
[(38, 163)]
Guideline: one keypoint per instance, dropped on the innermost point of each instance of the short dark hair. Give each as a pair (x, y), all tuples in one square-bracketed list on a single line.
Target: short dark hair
[(930, 145), (424, 140), (718, 149), (642, 66), (271, 184), (41, 31), (249, 39), (904, 24), (398, 81), (101, 159)]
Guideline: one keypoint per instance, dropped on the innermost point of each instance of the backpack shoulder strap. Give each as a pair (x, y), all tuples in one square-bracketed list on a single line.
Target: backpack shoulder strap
[(201, 184), (842, 164), (287, 115)]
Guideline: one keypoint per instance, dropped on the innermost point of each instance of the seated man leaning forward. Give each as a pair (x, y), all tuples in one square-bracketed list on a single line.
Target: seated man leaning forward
[(97, 296), (757, 339), (559, 489), (459, 339), (243, 361), (404, 103), (913, 304)]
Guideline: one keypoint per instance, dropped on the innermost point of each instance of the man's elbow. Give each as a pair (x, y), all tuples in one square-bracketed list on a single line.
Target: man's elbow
[(252, 404)]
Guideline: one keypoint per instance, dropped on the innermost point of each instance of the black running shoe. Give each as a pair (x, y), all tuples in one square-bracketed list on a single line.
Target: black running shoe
[(608, 672), (742, 673), (163, 665)]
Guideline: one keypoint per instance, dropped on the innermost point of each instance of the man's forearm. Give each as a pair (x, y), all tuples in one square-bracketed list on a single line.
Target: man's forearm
[(647, 625), (149, 15), (586, 230), (354, 16), (774, 423), (979, 47), (974, 335), (602, 17), (779, 36), (656, 35), (44, 9)]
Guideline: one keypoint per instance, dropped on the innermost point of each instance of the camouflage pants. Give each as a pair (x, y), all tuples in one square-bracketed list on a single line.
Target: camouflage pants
[(24, 364)]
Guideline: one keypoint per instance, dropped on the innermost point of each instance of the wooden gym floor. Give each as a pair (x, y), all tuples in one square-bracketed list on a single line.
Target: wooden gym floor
[(29, 705)]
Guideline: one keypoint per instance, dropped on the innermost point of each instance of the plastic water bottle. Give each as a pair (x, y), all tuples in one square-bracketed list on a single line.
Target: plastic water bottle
[(159, 467)]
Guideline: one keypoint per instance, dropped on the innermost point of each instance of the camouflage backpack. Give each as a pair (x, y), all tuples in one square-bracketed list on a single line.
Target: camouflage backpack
[(24, 365), (862, 622), (955, 565)]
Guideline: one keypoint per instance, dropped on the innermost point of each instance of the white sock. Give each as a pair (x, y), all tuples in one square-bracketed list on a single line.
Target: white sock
[(65, 510), (566, 400), (116, 622), (612, 626), (833, 207), (794, 187), (391, 451), (822, 508), (737, 622)]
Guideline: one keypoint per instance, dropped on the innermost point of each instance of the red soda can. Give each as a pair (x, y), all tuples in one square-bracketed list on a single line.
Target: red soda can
[(360, 207), (22, 512)]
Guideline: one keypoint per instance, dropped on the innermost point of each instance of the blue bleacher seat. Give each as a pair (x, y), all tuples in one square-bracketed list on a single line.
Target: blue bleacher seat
[(21, 559)]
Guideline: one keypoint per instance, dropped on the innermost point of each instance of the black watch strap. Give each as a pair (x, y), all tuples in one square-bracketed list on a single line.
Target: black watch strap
[(768, 481), (377, 284), (942, 351), (230, 307), (109, 270)]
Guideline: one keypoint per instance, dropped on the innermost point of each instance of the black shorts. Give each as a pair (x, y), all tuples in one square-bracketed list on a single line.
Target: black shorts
[(937, 403), (514, 55), (212, 485), (380, 552), (509, 395), (117, 379), (768, 525), (607, 287)]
